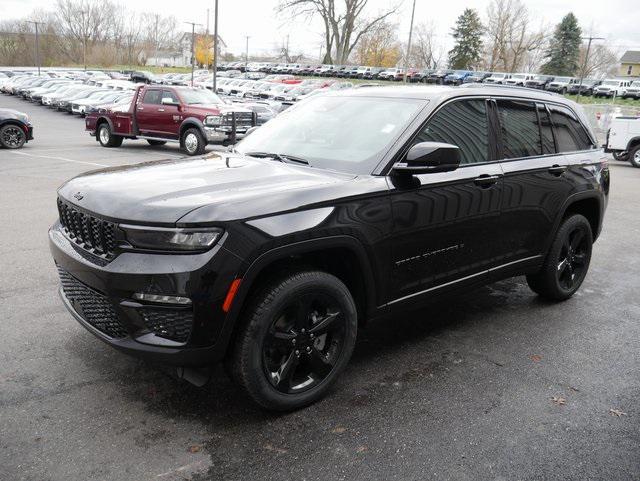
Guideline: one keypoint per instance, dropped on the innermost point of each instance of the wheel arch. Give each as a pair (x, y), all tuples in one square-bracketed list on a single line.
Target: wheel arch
[(587, 204), (342, 256), (101, 120), (190, 122), (633, 142)]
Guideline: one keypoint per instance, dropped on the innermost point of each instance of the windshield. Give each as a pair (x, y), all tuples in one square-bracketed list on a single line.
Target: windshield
[(610, 82), (314, 130), (563, 79), (198, 96), (518, 75), (635, 83), (540, 77)]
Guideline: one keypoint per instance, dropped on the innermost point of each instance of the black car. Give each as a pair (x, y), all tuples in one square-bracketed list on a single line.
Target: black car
[(15, 129), (585, 88), (437, 76), (351, 206), (539, 82), (142, 76)]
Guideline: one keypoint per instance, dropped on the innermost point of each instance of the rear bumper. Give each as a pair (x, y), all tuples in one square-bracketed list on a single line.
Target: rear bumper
[(101, 299)]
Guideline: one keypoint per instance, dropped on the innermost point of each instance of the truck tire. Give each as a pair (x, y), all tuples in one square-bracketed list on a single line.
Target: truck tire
[(106, 137), (156, 142), (297, 335), (634, 156), (193, 142), (621, 156), (567, 261)]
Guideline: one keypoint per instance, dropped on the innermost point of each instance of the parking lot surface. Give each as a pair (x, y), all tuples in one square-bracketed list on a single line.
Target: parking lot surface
[(496, 384)]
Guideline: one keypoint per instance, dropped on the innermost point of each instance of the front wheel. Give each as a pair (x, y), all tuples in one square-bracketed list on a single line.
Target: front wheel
[(107, 138), (12, 136), (298, 335), (634, 156), (193, 142), (567, 261), (621, 156)]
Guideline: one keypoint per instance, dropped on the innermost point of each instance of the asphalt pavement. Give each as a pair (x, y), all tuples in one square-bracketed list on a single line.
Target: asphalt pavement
[(495, 385)]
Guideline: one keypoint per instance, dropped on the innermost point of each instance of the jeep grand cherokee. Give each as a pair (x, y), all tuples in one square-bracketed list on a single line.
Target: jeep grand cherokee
[(348, 206)]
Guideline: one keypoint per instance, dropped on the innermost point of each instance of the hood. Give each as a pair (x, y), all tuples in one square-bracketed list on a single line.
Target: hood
[(207, 109), (231, 186)]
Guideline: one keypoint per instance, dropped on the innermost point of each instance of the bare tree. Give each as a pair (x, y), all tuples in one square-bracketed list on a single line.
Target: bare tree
[(510, 39), (344, 22), (602, 61), (425, 51)]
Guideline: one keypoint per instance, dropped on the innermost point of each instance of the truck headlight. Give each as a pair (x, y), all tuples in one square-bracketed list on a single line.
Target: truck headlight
[(172, 239), (213, 120)]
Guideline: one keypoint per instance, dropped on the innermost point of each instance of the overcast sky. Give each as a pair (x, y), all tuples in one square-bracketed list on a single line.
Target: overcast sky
[(617, 20)]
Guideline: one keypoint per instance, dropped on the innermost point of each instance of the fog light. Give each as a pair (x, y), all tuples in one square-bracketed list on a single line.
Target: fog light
[(162, 299)]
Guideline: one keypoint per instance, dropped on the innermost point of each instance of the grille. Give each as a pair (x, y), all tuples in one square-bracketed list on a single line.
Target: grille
[(243, 119), (93, 234), (173, 324), (94, 307)]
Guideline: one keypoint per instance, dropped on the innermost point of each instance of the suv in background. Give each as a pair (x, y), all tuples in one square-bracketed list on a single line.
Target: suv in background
[(585, 87), (539, 82), (270, 257), (519, 79), (561, 84), (497, 78), (632, 91), (611, 87)]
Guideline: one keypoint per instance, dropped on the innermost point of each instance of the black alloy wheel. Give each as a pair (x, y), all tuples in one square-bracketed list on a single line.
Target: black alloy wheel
[(572, 261), (12, 136), (297, 335)]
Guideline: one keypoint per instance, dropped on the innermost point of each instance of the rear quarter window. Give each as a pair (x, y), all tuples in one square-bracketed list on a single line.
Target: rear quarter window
[(570, 134)]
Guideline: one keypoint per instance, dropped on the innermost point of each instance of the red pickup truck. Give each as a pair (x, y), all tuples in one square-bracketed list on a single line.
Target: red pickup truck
[(158, 113)]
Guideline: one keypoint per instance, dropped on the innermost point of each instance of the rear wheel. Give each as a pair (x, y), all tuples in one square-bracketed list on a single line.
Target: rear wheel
[(621, 156), (193, 142), (107, 138), (298, 335), (567, 261), (634, 156), (156, 142), (12, 136)]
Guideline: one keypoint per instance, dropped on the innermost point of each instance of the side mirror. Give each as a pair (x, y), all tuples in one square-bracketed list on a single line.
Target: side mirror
[(429, 157), (168, 101)]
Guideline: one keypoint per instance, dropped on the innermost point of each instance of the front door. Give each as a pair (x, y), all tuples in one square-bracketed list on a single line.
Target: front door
[(446, 224)]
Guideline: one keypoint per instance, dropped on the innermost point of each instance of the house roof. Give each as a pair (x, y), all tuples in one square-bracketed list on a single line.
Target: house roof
[(631, 56)]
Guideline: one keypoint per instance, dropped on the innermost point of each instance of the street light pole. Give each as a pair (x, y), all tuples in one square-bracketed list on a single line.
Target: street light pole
[(246, 52), (37, 44), (193, 55), (84, 40), (584, 65), (413, 11), (215, 44)]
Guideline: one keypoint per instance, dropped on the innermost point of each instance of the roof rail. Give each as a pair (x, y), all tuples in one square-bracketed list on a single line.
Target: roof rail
[(498, 86)]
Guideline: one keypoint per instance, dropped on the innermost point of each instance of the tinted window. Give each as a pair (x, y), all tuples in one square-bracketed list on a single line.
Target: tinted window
[(168, 94), (519, 127), (152, 97), (548, 146), (570, 134), (462, 123)]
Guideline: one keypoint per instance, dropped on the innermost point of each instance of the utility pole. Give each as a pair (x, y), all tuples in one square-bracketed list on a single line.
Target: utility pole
[(193, 41), (246, 52), (84, 39), (406, 59), (215, 44), (37, 44), (584, 65), (156, 39)]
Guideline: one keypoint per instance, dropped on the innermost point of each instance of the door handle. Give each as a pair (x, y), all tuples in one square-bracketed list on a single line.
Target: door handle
[(140, 108), (557, 170), (486, 180), (160, 110)]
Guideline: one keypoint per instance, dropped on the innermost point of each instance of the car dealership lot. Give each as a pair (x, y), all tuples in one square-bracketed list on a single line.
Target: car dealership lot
[(462, 390)]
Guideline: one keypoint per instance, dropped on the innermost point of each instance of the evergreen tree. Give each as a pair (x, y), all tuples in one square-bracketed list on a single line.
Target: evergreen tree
[(467, 34), (564, 48)]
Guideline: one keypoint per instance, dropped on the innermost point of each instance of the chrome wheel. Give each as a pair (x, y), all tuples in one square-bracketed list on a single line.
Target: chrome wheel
[(191, 142), (105, 135), (304, 343), (13, 137)]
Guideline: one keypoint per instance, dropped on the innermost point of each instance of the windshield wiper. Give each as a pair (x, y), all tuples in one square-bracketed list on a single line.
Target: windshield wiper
[(286, 158)]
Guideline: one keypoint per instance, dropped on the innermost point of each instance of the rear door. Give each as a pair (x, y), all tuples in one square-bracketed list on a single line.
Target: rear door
[(147, 110), (168, 116), (539, 146)]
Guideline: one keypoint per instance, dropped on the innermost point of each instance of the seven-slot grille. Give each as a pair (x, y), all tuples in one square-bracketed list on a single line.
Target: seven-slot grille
[(93, 234), (93, 307)]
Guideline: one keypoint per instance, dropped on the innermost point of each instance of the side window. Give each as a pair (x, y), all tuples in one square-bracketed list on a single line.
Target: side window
[(462, 123), (546, 131), (152, 96), (519, 127), (569, 132), (168, 94)]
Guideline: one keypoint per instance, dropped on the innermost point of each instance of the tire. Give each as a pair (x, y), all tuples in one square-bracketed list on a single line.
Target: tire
[(620, 156), (634, 156), (12, 136), (567, 261), (564, 91), (106, 137), (278, 362), (192, 142), (156, 142)]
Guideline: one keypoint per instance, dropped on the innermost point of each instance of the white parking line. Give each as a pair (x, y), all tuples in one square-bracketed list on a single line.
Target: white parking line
[(58, 158)]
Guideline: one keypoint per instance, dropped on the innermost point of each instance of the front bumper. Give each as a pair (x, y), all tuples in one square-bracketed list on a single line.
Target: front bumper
[(220, 134), (99, 295)]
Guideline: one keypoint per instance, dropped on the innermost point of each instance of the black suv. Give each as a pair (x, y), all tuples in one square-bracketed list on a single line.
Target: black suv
[(15, 129), (270, 256)]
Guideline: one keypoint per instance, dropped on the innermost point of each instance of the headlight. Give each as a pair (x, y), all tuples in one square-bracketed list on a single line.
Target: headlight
[(213, 120), (178, 239)]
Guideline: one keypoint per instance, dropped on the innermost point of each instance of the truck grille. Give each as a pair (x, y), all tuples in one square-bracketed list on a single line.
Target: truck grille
[(92, 234), (92, 306), (243, 119), (168, 323)]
